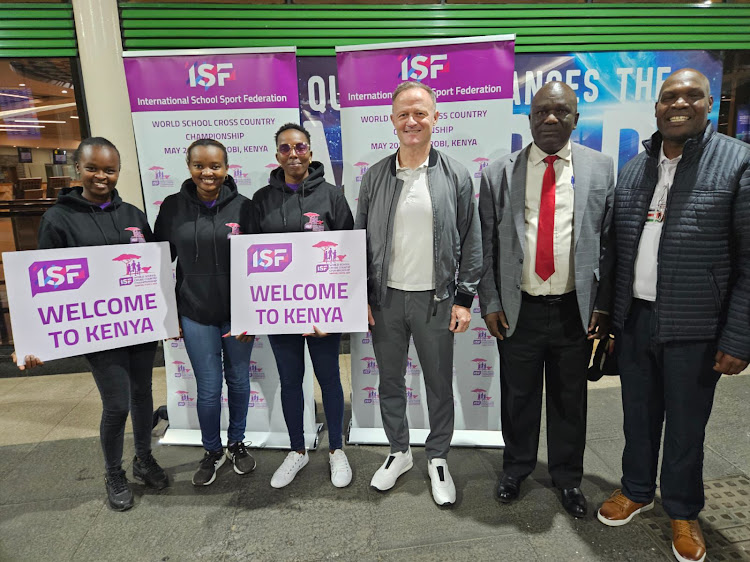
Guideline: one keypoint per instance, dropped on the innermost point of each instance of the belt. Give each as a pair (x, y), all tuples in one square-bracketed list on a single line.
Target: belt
[(549, 299)]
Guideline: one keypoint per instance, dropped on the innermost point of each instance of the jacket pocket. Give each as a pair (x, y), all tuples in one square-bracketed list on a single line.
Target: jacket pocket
[(714, 288)]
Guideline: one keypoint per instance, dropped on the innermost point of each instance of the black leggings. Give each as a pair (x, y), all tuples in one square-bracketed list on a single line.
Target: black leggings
[(123, 377)]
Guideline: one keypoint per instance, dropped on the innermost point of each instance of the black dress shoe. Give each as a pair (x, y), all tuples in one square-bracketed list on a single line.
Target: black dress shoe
[(574, 502), (508, 488)]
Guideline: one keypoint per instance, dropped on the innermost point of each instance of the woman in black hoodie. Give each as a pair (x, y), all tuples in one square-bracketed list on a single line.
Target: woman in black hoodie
[(198, 223), (94, 215), (298, 199)]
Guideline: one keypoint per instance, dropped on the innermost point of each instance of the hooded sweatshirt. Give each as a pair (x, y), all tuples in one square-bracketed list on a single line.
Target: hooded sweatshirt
[(75, 221), (198, 237), (315, 206)]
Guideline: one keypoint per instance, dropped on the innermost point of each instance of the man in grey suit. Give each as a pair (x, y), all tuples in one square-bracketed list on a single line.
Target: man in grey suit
[(546, 288)]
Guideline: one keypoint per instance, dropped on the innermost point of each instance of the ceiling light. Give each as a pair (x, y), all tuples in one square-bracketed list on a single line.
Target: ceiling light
[(35, 121), (13, 96), (64, 91), (74, 116), (21, 126), (22, 85)]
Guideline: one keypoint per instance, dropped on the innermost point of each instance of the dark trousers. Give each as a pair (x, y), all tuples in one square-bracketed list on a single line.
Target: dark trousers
[(123, 377), (289, 351), (549, 344), (675, 379)]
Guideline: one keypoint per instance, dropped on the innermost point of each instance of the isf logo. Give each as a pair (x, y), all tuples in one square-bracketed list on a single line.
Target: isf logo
[(267, 258), (58, 275), (208, 75), (420, 67)]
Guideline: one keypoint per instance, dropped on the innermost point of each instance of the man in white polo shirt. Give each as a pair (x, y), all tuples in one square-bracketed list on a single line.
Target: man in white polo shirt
[(424, 259)]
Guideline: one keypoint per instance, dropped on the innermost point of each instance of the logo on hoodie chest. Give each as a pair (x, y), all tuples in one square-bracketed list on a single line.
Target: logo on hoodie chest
[(136, 236), (314, 223), (236, 230)]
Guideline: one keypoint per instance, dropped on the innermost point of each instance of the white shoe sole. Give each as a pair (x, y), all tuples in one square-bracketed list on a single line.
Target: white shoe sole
[(278, 486), (621, 522), (229, 456), (216, 470), (404, 470), (681, 559)]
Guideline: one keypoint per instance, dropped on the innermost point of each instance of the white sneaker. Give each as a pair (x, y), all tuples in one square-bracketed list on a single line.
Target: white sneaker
[(293, 463), (443, 489), (341, 472), (393, 467)]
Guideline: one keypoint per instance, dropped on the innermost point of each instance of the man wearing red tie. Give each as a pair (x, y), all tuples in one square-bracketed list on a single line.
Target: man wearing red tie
[(546, 288)]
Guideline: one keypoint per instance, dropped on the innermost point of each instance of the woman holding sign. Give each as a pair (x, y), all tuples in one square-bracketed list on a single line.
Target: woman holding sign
[(198, 223), (94, 215), (298, 199)]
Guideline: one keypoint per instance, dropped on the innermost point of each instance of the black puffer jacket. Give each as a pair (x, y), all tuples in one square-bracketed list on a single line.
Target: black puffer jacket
[(316, 205), (703, 282)]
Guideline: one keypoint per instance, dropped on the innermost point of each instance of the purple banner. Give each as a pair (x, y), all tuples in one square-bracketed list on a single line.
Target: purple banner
[(457, 72), (215, 81)]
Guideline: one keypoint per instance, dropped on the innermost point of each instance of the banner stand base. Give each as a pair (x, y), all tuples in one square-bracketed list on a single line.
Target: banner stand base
[(461, 437), (254, 439)]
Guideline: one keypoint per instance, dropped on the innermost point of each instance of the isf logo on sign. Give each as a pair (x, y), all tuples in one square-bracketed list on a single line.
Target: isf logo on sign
[(208, 75), (58, 275), (267, 258), (419, 67)]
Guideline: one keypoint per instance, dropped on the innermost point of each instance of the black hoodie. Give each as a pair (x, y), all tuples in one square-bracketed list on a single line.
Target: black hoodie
[(74, 221), (198, 237), (316, 205)]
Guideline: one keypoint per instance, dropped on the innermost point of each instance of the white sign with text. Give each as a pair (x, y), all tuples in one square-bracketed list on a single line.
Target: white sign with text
[(289, 283), (70, 301)]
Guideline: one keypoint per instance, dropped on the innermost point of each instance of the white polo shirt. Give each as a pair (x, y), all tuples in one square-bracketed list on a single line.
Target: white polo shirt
[(647, 259), (412, 262)]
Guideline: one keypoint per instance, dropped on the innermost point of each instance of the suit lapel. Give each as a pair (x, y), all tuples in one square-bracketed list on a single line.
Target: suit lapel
[(518, 195), (581, 185)]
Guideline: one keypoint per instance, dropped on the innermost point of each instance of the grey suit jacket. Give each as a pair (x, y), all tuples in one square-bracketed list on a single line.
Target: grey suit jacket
[(502, 202)]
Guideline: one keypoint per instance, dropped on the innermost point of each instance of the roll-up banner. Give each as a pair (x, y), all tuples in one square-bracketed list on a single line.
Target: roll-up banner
[(473, 80), (239, 97)]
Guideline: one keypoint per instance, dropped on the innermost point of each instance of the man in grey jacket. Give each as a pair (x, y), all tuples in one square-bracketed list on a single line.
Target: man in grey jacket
[(424, 259), (546, 288), (682, 302)]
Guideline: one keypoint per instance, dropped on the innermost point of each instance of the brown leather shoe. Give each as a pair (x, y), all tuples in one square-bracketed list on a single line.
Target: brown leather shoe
[(688, 544), (619, 510)]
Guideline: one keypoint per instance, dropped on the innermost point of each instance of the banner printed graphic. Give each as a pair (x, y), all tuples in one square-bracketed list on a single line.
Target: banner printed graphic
[(70, 301), (473, 80), (239, 97)]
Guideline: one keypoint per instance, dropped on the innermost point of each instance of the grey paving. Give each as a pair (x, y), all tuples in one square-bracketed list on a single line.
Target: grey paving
[(52, 504)]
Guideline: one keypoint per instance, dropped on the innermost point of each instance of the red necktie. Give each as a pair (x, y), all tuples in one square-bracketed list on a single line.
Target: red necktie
[(545, 257)]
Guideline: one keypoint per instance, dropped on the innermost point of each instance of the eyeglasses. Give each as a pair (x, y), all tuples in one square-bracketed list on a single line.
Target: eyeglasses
[(300, 148)]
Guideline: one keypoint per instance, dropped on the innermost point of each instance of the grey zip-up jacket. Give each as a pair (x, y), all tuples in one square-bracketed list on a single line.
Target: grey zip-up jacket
[(456, 233)]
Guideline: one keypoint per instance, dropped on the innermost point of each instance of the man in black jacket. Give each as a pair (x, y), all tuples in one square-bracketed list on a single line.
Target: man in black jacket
[(682, 302)]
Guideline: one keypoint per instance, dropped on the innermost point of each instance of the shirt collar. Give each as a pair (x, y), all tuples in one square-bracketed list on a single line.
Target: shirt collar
[(400, 168), (536, 154), (663, 157)]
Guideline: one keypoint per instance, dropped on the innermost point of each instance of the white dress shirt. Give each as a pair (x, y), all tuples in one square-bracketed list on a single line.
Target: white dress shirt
[(647, 259), (563, 279), (412, 262)]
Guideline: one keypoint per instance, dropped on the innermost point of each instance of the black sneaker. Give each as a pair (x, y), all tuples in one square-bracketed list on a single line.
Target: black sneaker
[(242, 460), (206, 472), (150, 473), (119, 494)]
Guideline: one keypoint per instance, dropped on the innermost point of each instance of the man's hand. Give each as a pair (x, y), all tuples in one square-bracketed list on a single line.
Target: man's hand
[(497, 323), (460, 319), (599, 326), (370, 319), (728, 365), (316, 333), (30, 361)]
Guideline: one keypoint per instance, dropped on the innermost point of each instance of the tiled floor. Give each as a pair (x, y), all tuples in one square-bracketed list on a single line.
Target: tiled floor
[(52, 495)]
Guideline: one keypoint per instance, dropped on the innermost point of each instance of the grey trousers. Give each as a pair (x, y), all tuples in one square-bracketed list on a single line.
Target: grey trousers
[(405, 314)]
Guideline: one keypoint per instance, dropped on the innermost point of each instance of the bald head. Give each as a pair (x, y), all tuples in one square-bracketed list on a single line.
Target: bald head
[(682, 109), (553, 116)]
